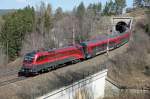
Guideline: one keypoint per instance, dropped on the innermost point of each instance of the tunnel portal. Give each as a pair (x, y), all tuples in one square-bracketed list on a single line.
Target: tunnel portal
[(121, 26)]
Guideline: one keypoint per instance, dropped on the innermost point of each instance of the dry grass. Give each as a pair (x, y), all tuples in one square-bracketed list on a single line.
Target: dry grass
[(129, 95), (137, 12), (85, 93), (48, 84)]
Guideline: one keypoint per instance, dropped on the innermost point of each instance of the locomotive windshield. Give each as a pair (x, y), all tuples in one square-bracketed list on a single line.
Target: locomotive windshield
[(84, 47), (29, 57)]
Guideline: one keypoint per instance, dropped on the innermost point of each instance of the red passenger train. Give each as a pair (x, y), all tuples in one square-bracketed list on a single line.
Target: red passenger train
[(39, 61)]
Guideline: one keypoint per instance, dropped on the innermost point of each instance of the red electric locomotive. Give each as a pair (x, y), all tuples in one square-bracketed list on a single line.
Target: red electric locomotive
[(39, 61)]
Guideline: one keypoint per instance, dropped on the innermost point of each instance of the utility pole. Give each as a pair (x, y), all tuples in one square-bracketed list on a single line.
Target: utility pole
[(7, 50), (108, 41), (73, 35)]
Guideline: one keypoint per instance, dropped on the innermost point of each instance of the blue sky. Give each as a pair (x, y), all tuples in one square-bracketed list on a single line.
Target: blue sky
[(66, 5)]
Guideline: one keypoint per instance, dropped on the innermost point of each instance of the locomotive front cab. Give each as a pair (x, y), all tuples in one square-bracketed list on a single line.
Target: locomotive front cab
[(28, 65), (28, 59)]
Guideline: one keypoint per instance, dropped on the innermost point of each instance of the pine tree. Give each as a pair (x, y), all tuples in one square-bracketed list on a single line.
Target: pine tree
[(80, 11), (58, 14), (48, 24), (14, 29), (96, 8), (99, 7), (147, 3), (137, 3), (106, 9), (120, 5), (110, 8)]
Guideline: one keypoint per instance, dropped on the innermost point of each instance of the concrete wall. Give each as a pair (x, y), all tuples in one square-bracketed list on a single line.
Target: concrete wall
[(93, 86), (114, 89)]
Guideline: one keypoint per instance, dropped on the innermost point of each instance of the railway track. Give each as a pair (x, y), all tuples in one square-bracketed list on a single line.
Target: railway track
[(9, 73), (9, 77), (12, 80)]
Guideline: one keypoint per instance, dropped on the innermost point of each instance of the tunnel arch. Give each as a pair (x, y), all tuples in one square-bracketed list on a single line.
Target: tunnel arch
[(121, 26)]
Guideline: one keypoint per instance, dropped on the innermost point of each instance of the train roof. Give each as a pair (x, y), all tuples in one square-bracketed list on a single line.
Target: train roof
[(103, 37), (66, 48), (96, 39)]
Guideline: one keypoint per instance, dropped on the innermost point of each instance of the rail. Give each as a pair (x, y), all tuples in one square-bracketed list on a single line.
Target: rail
[(12, 80)]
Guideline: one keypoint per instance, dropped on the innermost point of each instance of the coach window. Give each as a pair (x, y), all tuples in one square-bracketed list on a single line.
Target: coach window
[(40, 58), (104, 45), (111, 43), (28, 59)]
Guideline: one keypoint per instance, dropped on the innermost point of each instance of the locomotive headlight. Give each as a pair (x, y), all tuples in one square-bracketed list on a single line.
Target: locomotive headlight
[(31, 70), (22, 70)]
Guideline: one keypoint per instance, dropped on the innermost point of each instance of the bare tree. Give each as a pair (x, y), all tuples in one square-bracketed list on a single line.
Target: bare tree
[(32, 41), (44, 24), (66, 30), (2, 53), (2, 56)]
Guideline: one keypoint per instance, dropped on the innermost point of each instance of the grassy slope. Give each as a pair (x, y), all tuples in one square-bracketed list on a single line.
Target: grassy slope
[(128, 68)]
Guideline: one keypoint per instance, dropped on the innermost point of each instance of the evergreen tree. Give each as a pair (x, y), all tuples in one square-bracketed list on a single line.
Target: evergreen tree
[(80, 11), (15, 27), (99, 7), (90, 6), (1, 23), (58, 14), (146, 3), (120, 5), (48, 24), (106, 9), (110, 8), (137, 3), (96, 8)]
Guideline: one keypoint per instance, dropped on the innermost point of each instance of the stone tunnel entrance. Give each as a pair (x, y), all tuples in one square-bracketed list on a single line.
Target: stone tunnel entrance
[(121, 24)]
